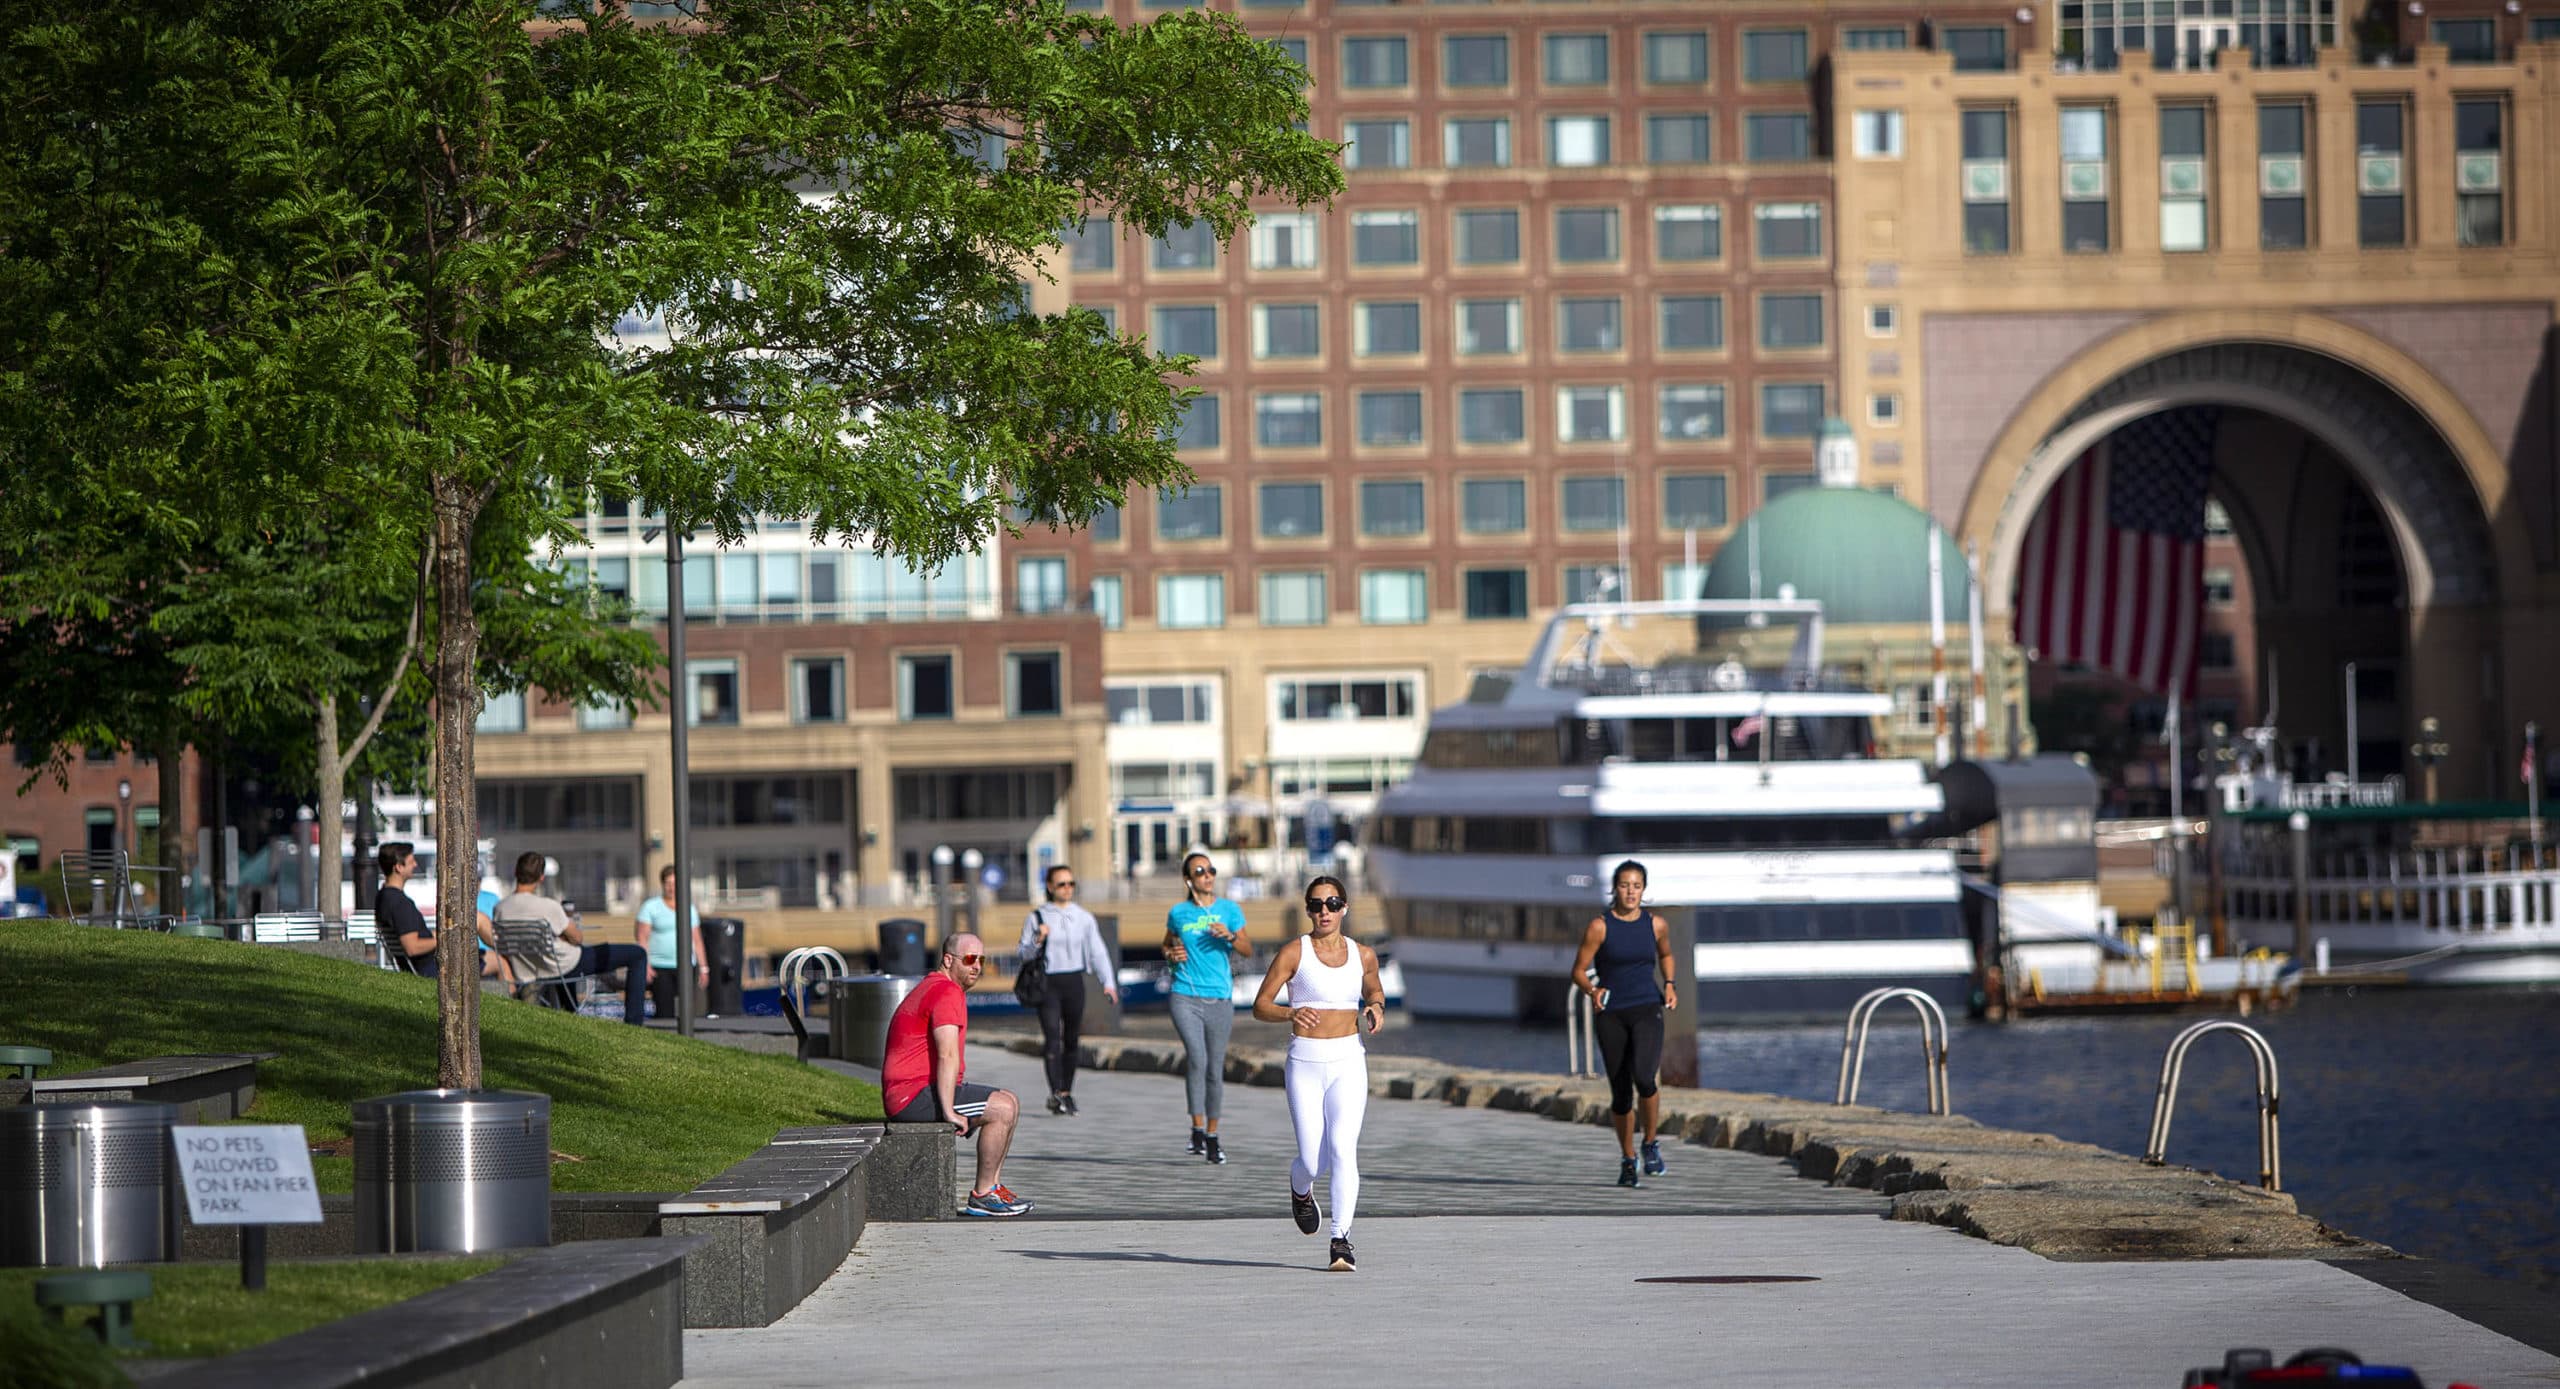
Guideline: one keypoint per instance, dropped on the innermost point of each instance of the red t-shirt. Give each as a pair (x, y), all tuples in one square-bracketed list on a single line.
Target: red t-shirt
[(906, 1067)]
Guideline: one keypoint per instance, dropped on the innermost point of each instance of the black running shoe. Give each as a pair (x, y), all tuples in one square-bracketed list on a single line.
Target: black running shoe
[(1653, 1160), (1303, 1210), (1627, 1172), (1057, 1104), (1068, 1102), (1342, 1260), (1199, 1142), (1215, 1153)]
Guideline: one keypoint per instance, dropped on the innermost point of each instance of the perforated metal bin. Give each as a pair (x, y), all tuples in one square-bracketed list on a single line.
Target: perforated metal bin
[(84, 1185), (452, 1170)]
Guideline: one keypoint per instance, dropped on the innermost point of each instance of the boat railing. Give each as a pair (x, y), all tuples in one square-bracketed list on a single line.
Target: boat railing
[(2456, 889), (2270, 1154)]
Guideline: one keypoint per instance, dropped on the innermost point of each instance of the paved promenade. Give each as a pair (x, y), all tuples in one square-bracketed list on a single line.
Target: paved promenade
[(1494, 1246)]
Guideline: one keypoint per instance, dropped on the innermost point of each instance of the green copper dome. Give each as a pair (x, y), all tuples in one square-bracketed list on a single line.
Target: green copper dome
[(1865, 555)]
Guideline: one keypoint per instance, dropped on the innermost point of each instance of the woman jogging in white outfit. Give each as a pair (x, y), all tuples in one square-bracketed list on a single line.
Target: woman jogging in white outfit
[(1334, 996)]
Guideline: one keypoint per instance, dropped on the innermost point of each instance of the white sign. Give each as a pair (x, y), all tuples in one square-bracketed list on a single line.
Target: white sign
[(247, 1174)]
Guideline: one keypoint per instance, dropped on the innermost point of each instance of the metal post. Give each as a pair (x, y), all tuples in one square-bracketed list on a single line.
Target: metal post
[(2352, 759), (941, 858), (1680, 1024), (253, 1258), (2177, 810), (2533, 784), (679, 710), (2300, 825), (970, 862)]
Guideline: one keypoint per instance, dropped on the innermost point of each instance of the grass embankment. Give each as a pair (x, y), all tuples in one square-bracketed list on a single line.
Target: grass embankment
[(632, 1109), (198, 1310)]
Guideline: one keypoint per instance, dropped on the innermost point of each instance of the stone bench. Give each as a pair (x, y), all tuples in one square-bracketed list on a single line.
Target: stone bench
[(206, 1089)]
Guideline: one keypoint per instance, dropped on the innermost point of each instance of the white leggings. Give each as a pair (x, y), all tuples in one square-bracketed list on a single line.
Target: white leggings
[(1328, 1084)]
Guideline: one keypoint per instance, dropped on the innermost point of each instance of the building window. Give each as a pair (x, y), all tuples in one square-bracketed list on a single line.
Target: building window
[(1594, 503), (1093, 244), (1288, 419), (1577, 60), (2542, 29), (1040, 584), (502, 712), (1585, 235), (1690, 322), (1187, 330), (1194, 513), (1677, 139), (925, 689), (1394, 597), (1390, 419), (1983, 48), (1577, 142), (1883, 320), (1191, 600), (1491, 416), (2217, 520), (1876, 134), (1790, 410), (1293, 598), (2479, 172), (1693, 501), (1034, 684), (1493, 506), (2185, 215), (1477, 142), (1590, 325), (1594, 583), (2216, 651), (2221, 586), (1303, 700), (1775, 55), (1496, 594), (2284, 215), (1291, 510), (2466, 40), (1200, 426), (1386, 238), (2382, 202), (1389, 329), (1876, 37), (1110, 601), (1693, 413), (2085, 184), (1776, 485), (1488, 236), (1688, 232), (1373, 62), (717, 693), (1475, 60), (1884, 408), (1488, 327), (1286, 330), (1185, 246), (1790, 322), (1983, 179), (1787, 231), (1675, 58), (1391, 508), (1777, 137), (1591, 414), (1284, 241), (1105, 526), (1377, 144), (1294, 49)]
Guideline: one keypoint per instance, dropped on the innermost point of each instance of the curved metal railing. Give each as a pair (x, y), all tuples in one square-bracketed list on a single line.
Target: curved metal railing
[(822, 960), (2270, 1151), (1933, 1044)]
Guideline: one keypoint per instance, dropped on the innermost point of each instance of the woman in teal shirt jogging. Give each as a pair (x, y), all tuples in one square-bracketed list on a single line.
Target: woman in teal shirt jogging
[(1204, 938)]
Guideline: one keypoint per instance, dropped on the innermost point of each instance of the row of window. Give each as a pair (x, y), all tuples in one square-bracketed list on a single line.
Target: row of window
[(853, 585), (2477, 172), (1294, 699), (1686, 412), (1494, 326), (1583, 60), (928, 688), (1387, 597), (1576, 141), (1684, 233)]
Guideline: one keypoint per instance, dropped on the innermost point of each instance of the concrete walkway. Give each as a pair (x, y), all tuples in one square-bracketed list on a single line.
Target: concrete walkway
[(1494, 1245)]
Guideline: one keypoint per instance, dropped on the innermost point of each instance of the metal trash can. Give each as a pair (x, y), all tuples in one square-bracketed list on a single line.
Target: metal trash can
[(84, 1185), (858, 1010), (724, 949), (452, 1170), (902, 946)]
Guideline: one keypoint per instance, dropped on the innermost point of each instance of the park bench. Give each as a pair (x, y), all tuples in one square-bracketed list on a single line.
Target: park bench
[(527, 945), (24, 1062), (284, 928), (112, 1291), (205, 1088)]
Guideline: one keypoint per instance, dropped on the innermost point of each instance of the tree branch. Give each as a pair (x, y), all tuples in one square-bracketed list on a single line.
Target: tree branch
[(408, 648)]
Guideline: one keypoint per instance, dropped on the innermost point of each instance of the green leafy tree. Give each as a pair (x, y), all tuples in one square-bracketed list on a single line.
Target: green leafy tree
[(423, 224)]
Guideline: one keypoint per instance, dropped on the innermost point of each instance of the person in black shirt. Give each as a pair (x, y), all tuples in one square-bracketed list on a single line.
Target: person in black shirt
[(404, 928)]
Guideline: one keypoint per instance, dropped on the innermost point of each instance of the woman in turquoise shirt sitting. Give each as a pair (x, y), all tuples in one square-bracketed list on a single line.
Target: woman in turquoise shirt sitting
[(1204, 938)]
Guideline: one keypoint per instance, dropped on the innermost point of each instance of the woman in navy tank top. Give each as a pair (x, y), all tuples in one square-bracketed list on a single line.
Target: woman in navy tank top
[(1629, 949)]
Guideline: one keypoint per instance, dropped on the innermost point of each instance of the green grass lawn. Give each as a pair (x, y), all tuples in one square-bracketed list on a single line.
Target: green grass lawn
[(201, 1310), (632, 1109)]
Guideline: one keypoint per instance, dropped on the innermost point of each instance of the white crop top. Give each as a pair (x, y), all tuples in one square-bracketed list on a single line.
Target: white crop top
[(1319, 985)]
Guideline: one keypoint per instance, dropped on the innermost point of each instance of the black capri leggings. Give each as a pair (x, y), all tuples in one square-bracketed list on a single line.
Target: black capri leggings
[(1631, 1047)]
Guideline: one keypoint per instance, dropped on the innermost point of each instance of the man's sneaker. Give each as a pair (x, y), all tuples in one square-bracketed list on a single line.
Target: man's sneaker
[(1653, 1160), (1342, 1260), (1215, 1153), (1006, 1192), (1627, 1172), (1069, 1101), (993, 1203), (1057, 1104), (1303, 1210), (1199, 1142)]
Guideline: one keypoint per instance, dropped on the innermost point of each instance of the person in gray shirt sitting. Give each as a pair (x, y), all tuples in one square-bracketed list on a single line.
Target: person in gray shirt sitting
[(1074, 942), (558, 947)]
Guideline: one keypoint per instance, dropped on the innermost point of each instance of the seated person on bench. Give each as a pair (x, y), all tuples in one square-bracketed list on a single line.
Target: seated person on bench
[(404, 928), (568, 955)]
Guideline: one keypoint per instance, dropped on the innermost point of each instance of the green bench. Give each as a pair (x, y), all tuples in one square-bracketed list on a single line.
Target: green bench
[(112, 1291), (24, 1062)]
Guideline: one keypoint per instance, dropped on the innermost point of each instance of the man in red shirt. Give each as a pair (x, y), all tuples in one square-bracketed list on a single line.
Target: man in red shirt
[(922, 1074)]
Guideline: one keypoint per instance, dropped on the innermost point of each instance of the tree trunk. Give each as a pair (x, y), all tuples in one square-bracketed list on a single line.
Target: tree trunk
[(171, 752), (457, 709), (330, 791)]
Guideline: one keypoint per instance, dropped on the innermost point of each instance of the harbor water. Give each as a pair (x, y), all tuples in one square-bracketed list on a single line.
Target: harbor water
[(2421, 1118)]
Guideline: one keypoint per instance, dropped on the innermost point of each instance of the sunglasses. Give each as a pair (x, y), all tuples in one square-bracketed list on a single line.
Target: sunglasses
[(1204, 871), (970, 959), (1064, 882), (1323, 904)]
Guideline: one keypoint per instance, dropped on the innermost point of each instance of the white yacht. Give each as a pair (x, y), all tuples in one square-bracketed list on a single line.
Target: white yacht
[(1702, 738)]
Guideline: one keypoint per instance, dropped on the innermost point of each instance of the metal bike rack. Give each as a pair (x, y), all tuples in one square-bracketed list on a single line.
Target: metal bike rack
[(2270, 1151), (1933, 1044), (822, 961)]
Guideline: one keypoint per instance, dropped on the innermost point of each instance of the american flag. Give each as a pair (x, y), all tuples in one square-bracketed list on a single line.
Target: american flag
[(2112, 575)]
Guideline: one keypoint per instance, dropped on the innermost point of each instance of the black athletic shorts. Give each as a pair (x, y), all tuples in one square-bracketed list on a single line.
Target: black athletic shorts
[(970, 1100)]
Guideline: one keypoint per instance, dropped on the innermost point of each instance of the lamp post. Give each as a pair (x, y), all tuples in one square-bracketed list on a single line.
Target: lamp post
[(2429, 750), (970, 861), (679, 714), (124, 855), (941, 894)]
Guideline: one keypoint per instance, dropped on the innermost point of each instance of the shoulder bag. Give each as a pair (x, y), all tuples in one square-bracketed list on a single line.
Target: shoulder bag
[(1031, 981)]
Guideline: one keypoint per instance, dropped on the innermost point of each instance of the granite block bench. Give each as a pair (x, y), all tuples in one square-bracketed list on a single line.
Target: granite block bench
[(206, 1088)]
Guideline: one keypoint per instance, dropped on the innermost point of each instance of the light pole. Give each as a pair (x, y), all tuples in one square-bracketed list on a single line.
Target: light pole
[(2429, 750), (970, 861), (941, 895), (124, 855), (679, 710)]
